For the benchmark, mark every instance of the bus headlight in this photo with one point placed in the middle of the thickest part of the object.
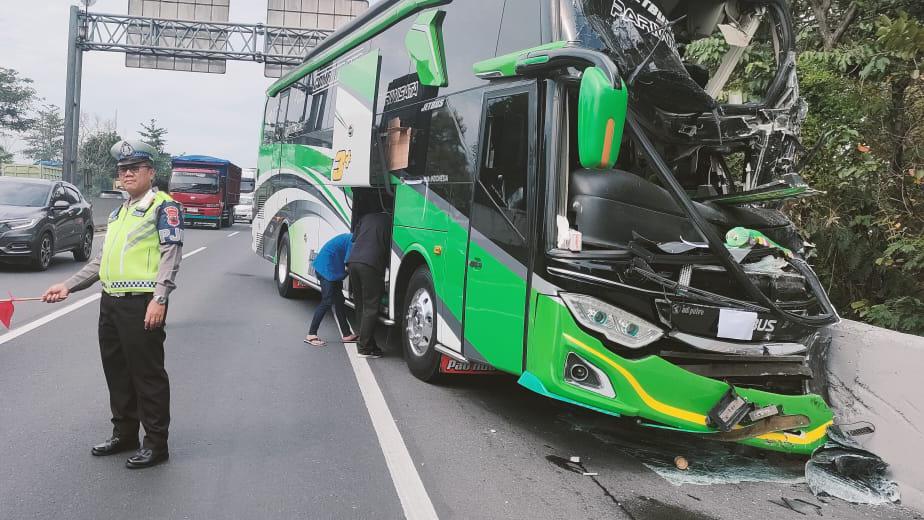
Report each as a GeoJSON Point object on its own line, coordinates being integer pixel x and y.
{"type": "Point", "coordinates": [616, 324]}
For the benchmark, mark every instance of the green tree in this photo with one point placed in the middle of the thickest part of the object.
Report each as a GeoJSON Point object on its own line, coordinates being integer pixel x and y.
{"type": "Point", "coordinates": [5, 156]}
{"type": "Point", "coordinates": [155, 136]}
{"type": "Point", "coordinates": [45, 138]}
{"type": "Point", "coordinates": [94, 162]}
{"type": "Point", "coordinates": [16, 97]}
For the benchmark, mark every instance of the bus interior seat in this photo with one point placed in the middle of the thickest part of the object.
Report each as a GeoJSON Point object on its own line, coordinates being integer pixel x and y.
{"type": "Point", "coordinates": [609, 205]}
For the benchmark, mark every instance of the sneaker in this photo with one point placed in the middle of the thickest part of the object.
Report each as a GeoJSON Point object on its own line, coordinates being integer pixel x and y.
{"type": "Point", "coordinates": [373, 353]}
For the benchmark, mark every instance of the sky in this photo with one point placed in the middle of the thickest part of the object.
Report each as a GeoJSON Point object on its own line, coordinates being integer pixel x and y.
{"type": "Point", "coordinates": [204, 114]}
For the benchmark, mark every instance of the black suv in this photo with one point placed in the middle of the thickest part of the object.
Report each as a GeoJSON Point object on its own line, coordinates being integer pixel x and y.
{"type": "Point", "coordinates": [39, 218]}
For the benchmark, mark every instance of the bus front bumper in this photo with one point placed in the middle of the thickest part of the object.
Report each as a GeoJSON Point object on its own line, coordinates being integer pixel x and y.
{"type": "Point", "coordinates": [651, 388]}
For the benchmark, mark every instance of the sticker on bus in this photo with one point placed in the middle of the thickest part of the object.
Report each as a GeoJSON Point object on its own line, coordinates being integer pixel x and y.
{"type": "Point", "coordinates": [451, 366]}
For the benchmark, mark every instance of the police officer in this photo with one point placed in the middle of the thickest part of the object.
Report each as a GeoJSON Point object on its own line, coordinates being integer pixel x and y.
{"type": "Point", "coordinates": [136, 268]}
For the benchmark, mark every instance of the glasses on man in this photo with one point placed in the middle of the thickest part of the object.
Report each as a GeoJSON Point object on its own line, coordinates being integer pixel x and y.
{"type": "Point", "coordinates": [134, 168]}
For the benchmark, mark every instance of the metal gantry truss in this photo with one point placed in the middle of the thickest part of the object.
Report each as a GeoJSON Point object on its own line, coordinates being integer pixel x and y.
{"type": "Point", "coordinates": [154, 37]}
{"type": "Point", "coordinates": [189, 39]}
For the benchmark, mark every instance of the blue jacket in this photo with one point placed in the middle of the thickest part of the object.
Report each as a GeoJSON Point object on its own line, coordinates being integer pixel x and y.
{"type": "Point", "coordinates": [331, 259]}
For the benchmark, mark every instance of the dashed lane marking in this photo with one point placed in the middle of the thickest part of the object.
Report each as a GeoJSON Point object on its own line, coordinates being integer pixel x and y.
{"type": "Point", "coordinates": [34, 324]}
{"type": "Point", "coordinates": [232, 234]}
{"type": "Point", "coordinates": [414, 499]}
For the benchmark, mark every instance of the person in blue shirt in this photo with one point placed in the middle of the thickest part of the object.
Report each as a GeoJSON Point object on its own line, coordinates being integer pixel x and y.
{"type": "Point", "coordinates": [330, 268]}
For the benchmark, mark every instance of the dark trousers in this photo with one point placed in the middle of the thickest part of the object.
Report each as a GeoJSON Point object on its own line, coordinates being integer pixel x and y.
{"type": "Point", "coordinates": [368, 286]}
{"type": "Point", "coordinates": [331, 296]}
{"type": "Point", "coordinates": [133, 361]}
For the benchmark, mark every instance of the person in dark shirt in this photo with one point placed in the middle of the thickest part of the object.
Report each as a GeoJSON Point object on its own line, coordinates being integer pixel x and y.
{"type": "Point", "coordinates": [367, 261]}
{"type": "Point", "coordinates": [330, 268]}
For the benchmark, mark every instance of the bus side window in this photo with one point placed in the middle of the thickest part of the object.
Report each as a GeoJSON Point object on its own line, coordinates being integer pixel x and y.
{"type": "Point", "coordinates": [280, 126]}
{"type": "Point", "coordinates": [295, 113]}
{"type": "Point", "coordinates": [519, 26]}
{"type": "Point", "coordinates": [269, 119]}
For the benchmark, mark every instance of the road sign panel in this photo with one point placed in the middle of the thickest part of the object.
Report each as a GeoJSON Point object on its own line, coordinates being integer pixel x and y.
{"type": "Point", "coordinates": [304, 14]}
{"type": "Point", "coordinates": [171, 37]}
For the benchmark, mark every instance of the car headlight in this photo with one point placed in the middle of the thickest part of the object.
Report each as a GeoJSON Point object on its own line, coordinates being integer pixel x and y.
{"type": "Point", "coordinates": [17, 223]}
{"type": "Point", "coordinates": [616, 324]}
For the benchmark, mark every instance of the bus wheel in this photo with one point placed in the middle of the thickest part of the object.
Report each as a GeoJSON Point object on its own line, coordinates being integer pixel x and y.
{"type": "Point", "coordinates": [282, 269]}
{"type": "Point", "coordinates": [419, 337]}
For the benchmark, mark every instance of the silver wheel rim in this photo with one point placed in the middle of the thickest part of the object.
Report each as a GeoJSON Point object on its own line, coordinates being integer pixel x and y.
{"type": "Point", "coordinates": [282, 268]}
{"type": "Point", "coordinates": [87, 244]}
{"type": "Point", "coordinates": [45, 251]}
{"type": "Point", "coordinates": [419, 322]}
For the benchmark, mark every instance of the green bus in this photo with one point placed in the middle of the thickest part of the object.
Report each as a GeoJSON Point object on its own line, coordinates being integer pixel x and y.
{"type": "Point", "coordinates": [574, 202]}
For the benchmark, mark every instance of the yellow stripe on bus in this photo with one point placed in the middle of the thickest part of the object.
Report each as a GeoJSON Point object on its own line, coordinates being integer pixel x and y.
{"type": "Point", "coordinates": [693, 417]}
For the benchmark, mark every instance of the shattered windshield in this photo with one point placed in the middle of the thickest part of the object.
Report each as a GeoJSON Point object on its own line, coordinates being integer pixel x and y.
{"type": "Point", "coordinates": [643, 41]}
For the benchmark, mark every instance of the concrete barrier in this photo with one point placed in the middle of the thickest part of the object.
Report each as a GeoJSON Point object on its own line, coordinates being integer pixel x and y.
{"type": "Point", "coordinates": [102, 207]}
{"type": "Point", "coordinates": [876, 375]}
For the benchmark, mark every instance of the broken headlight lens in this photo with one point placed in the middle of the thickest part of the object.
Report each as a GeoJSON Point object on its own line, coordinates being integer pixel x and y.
{"type": "Point", "coordinates": [616, 324]}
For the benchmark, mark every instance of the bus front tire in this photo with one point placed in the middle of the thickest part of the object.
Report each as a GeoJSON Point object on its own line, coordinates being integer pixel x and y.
{"type": "Point", "coordinates": [281, 269]}
{"type": "Point", "coordinates": [419, 327]}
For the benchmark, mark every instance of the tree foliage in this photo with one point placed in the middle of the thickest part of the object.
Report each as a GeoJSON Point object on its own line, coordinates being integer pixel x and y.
{"type": "Point", "coordinates": [155, 136]}
{"type": "Point", "coordinates": [94, 162]}
{"type": "Point", "coordinates": [45, 137]}
{"type": "Point", "coordinates": [16, 97]}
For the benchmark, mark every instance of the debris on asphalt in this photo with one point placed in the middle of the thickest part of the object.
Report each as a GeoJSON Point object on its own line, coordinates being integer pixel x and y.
{"type": "Point", "coordinates": [790, 506]}
{"type": "Point", "coordinates": [681, 463]}
{"type": "Point", "coordinates": [590, 474]}
{"type": "Point", "coordinates": [841, 468]}
{"type": "Point", "coordinates": [816, 506]}
{"type": "Point", "coordinates": [492, 431]}
{"type": "Point", "coordinates": [576, 460]}
{"type": "Point", "coordinates": [785, 505]}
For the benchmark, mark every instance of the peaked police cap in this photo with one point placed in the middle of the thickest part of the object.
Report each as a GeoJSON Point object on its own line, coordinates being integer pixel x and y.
{"type": "Point", "coordinates": [132, 152]}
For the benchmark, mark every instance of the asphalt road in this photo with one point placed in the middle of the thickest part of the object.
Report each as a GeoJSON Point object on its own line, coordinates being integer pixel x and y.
{"type": "Point", "coordinates": [267, 427]}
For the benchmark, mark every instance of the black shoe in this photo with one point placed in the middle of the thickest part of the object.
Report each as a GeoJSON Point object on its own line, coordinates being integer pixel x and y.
{"type": "Point", "coordinates": [114, 445]}
{"type": "Point", "coordinates": [373, 353]}
{"type": "Point", "coordinates": [146, 457]}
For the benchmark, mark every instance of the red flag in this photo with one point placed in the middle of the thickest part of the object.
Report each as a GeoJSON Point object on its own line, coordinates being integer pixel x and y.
{"type": "Point", "coordinates": [6, 312]}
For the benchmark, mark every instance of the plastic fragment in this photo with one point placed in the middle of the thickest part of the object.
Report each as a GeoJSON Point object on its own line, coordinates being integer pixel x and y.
{"type": "Point", "coordinates": [575, 459]}
{"type": "Point", "coordinates": [681, 462]}
{"type": "Point", "coordinates": [590, 474]}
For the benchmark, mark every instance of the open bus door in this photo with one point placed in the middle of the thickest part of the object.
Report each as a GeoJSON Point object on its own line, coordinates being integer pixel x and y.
{"type": "Point", "coordinates": [499, 249]}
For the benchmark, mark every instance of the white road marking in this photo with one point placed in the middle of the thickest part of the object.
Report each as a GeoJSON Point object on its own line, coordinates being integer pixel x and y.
{"type": "Point", "coordinates": [414, 499]}
{"type": "Point", "coordinates": [32, 325]}
{"type": "Point", "coordinates": [232, 234]}
{"type": "Point", "coordinates": [194, 251]}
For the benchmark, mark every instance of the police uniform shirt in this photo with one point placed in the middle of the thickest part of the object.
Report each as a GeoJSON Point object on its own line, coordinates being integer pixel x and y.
{"type": "Point", "coordinates": [170, 232]}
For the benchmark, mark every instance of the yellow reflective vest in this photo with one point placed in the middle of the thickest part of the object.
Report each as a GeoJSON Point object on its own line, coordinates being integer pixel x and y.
{"type": "Point", "coordinates": [131, 250]}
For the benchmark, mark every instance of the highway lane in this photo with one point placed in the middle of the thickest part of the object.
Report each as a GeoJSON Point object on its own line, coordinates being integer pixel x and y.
{"type": "Point", "coordinates": [267, 427]}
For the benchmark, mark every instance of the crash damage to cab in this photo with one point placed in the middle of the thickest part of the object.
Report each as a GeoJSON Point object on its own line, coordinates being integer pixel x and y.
{"type": "Point", "coordinates": [687, 301]}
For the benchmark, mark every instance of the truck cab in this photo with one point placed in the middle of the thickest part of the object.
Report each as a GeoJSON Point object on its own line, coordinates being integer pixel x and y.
{"type": "Point", "coordinates": [207, 187]}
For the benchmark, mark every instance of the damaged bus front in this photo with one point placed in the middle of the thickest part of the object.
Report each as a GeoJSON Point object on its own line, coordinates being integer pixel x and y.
{"type": "Point", "coordinates": [683, 295]}
{"type": "Point", "coordinates": [575, 202]}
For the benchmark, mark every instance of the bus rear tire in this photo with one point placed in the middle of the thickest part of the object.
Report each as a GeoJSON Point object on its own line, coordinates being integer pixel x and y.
{"type": "Point", "coordinates": [419, 327]}
{"type": "Point", "coordinates": [282, 269]}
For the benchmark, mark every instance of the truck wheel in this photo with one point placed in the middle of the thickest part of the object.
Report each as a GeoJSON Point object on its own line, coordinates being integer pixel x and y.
{"type": "Point", "coordinates": [282, 269]}
{"type": "Point", "coordinates": [85, 249]}
{"type": "Point", "coordinates": [419, 338]}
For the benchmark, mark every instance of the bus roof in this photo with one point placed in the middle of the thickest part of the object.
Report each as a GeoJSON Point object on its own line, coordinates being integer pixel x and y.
{"type": "Point", "coordinates": [376, 19]}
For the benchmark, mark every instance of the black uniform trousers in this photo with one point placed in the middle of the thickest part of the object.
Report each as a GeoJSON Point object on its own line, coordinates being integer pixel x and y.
{"type": "Point", "coordinates": [368, 285]}
{"type": "Point", "coordinates": [133, 361]}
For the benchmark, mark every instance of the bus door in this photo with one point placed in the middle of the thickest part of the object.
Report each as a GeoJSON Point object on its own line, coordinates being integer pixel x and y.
{"type": "Point", "coordinates": [498, 251]}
